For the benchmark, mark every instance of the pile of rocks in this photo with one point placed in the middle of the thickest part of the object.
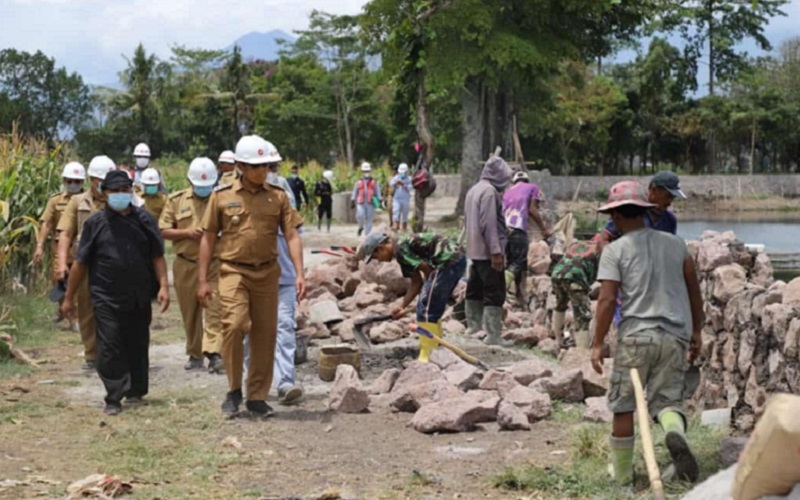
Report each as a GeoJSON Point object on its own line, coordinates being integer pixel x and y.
{"type": "Point", "coordinates": [750, 339]}
{"type": "Point", "coordinates": [449, 395]}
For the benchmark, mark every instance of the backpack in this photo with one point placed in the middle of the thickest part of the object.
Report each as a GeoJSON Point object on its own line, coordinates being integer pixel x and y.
{"type": "Point", "coordinates": [423, 182]}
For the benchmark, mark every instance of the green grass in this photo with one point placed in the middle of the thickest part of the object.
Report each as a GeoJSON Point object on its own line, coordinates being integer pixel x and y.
{"type": "Point", "coordinates": [565, 413]}
{"type": "Point", "coordinates": [586, 474]}
{"type": "Point", "coordinates": [29, 323]}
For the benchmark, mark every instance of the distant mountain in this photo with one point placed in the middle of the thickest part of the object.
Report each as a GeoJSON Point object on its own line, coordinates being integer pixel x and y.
{"type": "Point", "coordinates": [263, 46]}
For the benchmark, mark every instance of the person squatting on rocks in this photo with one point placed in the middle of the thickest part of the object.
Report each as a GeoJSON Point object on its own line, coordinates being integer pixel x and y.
{"type": "Point", "coordinates": [285, 378]}
{"type": "Point", "coordinates": [72, 178]}
{"type": "Point", "coordinates": [242, 222]}
{"type": "Point", "coordinates": [226, 168]}
{"type": "Point", "coordinates": [366, 198]}
{"type": "Point", "coordinates": [520, 203]}
{"type": "Point", "coordinates": [572, 279]}
{"type": "Point", "coordinates": [486, 247]}
{"type": "Point", "coordinates": [122, 253]}
{"type": "Point", "coordinates": [154, 199]}
{"type": "Point", "coordinates": [400, 187]}
{"type": "Point", "coordinates": [434, 263]}
{"type": "Point", "coordinates": [181, 222]}
{"type": "Point", "coordinates": [298, 188]}
{"type": "Point", "coordinates": [70, 228]}
{"type": "Point", "coordinates": [656, 276]}
{"type": "Point", "coordinates": [323, 192]}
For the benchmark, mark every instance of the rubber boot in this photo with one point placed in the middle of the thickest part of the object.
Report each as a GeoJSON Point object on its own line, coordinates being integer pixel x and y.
{"type": "Point", "coordinates": [674, 425]}
{"type": "Point", "coordinates": [474, 312]}
{"type": "Point", "coordinates": [582, 339]}
{"type": "Point", "coordinates": [493, 322]}
{"type": "Point", "coordinates": [329, 225]}
{"type": "Point", "coordinates": [426, 345]}
{"type": "Point", "coordinates": [559, 318]}
{"type": "Point", "coordinates": [622, 459]}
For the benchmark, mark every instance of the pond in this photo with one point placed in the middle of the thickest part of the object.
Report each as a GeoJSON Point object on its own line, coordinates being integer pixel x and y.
{"type": "Point", "coordinates": [777, 235]}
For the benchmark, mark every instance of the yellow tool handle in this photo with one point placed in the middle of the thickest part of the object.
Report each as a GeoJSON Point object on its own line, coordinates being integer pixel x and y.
{"type": "Point", "coordinates": [460, 352]}
{"type": "Point", "coordinates": [647, 437]}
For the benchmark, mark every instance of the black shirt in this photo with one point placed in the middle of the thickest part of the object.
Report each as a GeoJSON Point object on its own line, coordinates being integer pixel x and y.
{"type": "Point", "coordinates": [323, 189]}
{"type": "Point", "coordinates": [119, 250]}
{"type": "Point", "coordinates": [299, 189]}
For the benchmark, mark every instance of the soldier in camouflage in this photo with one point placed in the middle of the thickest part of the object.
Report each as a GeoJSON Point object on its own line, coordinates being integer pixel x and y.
{"type": "Point", "coordinates": [572, 279]}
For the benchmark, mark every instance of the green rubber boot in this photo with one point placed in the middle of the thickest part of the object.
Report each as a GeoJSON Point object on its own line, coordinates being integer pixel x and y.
{"type": "Point", "coordinates": [474, 312]}
{"type": "Point", "coordinates": [674, 425]}
{"type": "Point", "coordinates": [622, 459]}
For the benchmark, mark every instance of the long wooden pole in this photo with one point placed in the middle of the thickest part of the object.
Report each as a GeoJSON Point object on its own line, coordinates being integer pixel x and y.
{"type": "Point", "coordinates": [647, 438]}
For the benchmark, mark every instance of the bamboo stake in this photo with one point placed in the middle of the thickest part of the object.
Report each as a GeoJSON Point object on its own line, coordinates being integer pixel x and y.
{"type": "Point", "coordinates": [647, 438]}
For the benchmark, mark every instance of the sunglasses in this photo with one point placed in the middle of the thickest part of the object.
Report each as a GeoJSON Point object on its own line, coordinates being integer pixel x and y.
{"type": "Point", "coordinates": [73, 181]}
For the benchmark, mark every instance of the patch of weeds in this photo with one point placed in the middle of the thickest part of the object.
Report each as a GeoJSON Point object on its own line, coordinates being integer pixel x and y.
{"type": "Point", "coordinates": [32, 320]}
{"type": "Point", "coordinates": [590, 442]}
{"type": "Point", "coordinates": [542, 354]}
{"type": "Point", "coordinates": [422, 479]}
{"type": "Point", "coordinates": [20, 411]}
{"type": "Point", "coordinates": [566, 413]}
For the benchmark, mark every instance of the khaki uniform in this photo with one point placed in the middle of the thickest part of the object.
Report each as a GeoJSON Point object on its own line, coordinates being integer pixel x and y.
{"type": "Point", "coordinates": [78, 210]}
{"type": "Point", "coordinates": [52, 215]}
{"type": "Point", "coordinates": [154, 204]}
{"type": "Point", "coordinates": [227, 178]}
{"type": "Point", "coordinates": [247, 224]}
{"type": "Point", "coordinates": [185, 211]}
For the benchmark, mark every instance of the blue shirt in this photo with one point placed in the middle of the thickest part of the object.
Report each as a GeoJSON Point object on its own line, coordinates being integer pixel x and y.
{"type": "Point", "coordinates": [288, 273]}
{"type": "Point", "coordinates": [402, 192]}
{"type": "Point", "coordinates": [654, 219]}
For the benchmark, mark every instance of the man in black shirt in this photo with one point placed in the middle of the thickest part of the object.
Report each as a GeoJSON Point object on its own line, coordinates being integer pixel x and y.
{"type": "Point", "coordinates": [122, 251]}
{"type": "Point", "coordinates": [298, 188]}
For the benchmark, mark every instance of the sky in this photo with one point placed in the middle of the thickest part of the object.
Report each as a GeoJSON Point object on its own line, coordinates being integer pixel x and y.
{"type": "Point", "coordinates": [90, 36]}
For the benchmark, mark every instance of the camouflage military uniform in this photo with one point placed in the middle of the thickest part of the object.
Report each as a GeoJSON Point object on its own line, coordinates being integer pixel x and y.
{"type": "Point", "coordinates": [572, 280]}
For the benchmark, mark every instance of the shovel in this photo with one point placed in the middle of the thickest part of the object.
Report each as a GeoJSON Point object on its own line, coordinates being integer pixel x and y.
{"type": "Point", "coordinates": [362, 339]}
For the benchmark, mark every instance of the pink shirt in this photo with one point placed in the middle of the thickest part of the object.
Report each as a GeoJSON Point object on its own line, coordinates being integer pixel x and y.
{"type": "Point", "coordinates": [516, 203]}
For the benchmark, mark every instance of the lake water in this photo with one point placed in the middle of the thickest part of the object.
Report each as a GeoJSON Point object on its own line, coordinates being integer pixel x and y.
{"type": "Point", "coordinates": [776, 235]}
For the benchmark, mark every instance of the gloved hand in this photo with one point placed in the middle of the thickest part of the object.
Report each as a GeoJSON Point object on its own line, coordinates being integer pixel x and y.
{"type": "Point", "coordinates": [353, 205]}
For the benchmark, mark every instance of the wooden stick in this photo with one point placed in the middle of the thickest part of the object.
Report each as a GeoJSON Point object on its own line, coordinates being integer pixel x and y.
{"type": "Point", "coordinates": [647, 438]}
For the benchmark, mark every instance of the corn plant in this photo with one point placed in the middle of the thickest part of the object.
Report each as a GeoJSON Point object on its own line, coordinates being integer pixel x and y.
{"type": "Point", "coordinates": [29, 175]}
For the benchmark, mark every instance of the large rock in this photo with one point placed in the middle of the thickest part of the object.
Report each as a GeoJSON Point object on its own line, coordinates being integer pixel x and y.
{"type": "Point", "coordinates": [324, 276]}
{"type": "Point", "coordinates": [511, 417]}
{"type": "Point", "coordinates": [791, 346]}
{"type": "Point", "coordinates": [416, 373]}
{"type": "Point", "coordinates": [762, 270]}
{"type": "Point", "coordinates": [463, 376]}
{"type": "Point", "coordinates": [347, 395]}
{"type": "Point", "coordinates": [754, 395]}
{"type": "Point", "coordinates": [538, 257]}
{"type": "Point", "coordinates": [713, 254]}
{"type": "Point", "coordinates": [563, 386]}
{"type": "Point", "coordinates": [597, 411]}
{"type": "Point", "coordinates": [739, 310]}
{"type": "Point", "coordinates": [728, 281]}
{"type": "Point", "coordinates": [344, 329]}
{"type": "Point", "coordinates": [444, 358]}
{"type": "Point", "coordinates": [529, 370]}
{"type": "Point", "coordinates": [775, 320]}
{"type": "Point", "coordinates": [368, 295]}
{"type": "Point", "coordinates": [730, 450]}
{"type": "Point", "coordinates": [453, 327]}
{"type": "Point", "coordinates": [350, 287]}
{"type": "Point", "coordinates": [594, 384]}
{"type": "Point", "coordinates": [549, 346]}
{"type": "Point", "coordinates": [385, 382]}
{"type": "Point", "coordinates": [747, 347]}
{"type": "Point", "coordinates": [325, 312]}
{"type": "Point", "coordinates": [386, 332]}
{"type": "Point", "coordinates": [391, 279]}
{"type": "Point", "coordinates": [791, 293]}
{"type": "Point", "coordinates": [534, 404]}
{"type": "Point", "coordinates": [494, 379]}
{"type": "Point", "coordinates": [522, 336]}
{"type": "Point", "coordinates": [424, 394]}
{"type": "Point", "coordinates": [455, 414]}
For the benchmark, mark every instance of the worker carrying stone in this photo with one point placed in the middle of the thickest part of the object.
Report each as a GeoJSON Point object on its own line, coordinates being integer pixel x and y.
{"type": "Point", "coordinates": [366, 199]}
{"type": "Point", "coordinates": [70, 228]}
{"type": "Point", "coordinates": [572, 279]}
{"type": "Point", "coordinates": [660, 332]}
{"type": "Point", "coordinates": [521, 203]}
{"type": "Point", "coordinates": [242, 222]}
{"type": "Point", "coordinates": [72, 178]}
{"type": "Point", "coordinates": [434, 263]}
{"type": "Point", "coordinates": [181, 222]}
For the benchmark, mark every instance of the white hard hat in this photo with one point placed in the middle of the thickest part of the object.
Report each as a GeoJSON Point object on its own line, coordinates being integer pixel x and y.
{"type": "Point", "coordinates": [202, 172]}
{"type": "Point", "coordinates": [100, 166]}
{"type": "Point", "coordinates": [254, 150]}
{"type": "Point", "coordinates": [74, 170]}
{"type": "Point", "coordinates": [328, 174]}
{"type": "Point", "coordinates": [366, 167]}
{"type": "Point", "coordinates": [403, 168]}
{"type": "Point", "coordinates": [141, 150]}
{"type": "Point", "coordinates": [227, 157]}
{"type": "Point", "coordinates": [520, 176]}
{"type": "Point", "coordinates": [150, 177]}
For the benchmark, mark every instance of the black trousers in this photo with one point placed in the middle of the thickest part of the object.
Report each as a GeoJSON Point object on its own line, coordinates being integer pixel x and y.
{"type": "Point", "coordinates": [517, 251]}
{"type": "Point", "coordinates": [486, 284]}
{"type": "Point", "coordinates": [325, 207]}
{"type": "Point", "coordinates": [123, 340]}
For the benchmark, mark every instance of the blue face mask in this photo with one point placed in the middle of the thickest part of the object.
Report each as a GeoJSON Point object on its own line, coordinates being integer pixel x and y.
{"type": "Point", "coordinates": [203, 192]}
{"type": "Point", "coordinates": [74, 188]}
{"type": "Point", "coordinates": [151, 190]}
{"type": "Point", "coordinates": [294, 176]}
{"type": "Point", "coordinates": [119, 201]}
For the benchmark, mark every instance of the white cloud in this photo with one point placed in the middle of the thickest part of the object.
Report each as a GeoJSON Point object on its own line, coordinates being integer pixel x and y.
{"type": "Point", "coordinates": [91, 35]}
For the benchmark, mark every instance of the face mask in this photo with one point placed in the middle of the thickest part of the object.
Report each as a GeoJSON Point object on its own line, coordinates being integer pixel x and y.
{"type": "Point", "coordinates": [294, 176]}
{"type": "Point", "coordinates": [142, 162]}
{"type": "Point", "coordinates": [150, 190]}
{"type": "Point", "coordinates": [119, 201]}
{"type": "Point", "coordinates": [272, 177]}
{"type": "Point", "coordinates": [74, 188]}
{"type": "Point", "coordinates": [256, 176]}
{"type": "Point", "coordinates": [403, 175]}
{"type": "Point", "coordinates": [203, 192]}
{"type": "Point", "coordinates": [367, 175]}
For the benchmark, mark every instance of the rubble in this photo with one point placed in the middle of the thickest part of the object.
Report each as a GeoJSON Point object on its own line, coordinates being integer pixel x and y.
{"type": "Point", "coordinates": [564, 386]}
{"type": "Point", "coordinates": [455, 414]}
{"type": "Point", "coordinates": [384, 383]}
{"type": "Point", "coordinates": [347, 395]}
{"type": "Point", "coordinates": [597, 410]}
{"type": "Point", "coordinates": [529, 370]}
{"type": "Point", "coordinates": [510, 417]}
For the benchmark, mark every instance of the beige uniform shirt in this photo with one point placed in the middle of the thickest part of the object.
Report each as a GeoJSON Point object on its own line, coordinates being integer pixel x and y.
{"type": "Point", "coordinates": [55, 208]}
{"type": "Point", "coordinates": [184, 210]}
{"type": "Point", "coordinates": [78, 210]}
{"type": "Point", "coordinates": [248, 223]}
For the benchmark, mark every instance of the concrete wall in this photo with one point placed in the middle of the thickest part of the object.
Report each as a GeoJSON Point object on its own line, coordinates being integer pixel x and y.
{"type": "Point", "coordinates": [711, 186]}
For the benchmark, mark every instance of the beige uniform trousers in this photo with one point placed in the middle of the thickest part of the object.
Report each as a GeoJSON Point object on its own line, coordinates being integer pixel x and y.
{"type": "Point", "coordinates": [86, 320]}
{"type": "Point", "coordinates": [200, 339]}
{"type": "Point", "coordinates": [249, 295]}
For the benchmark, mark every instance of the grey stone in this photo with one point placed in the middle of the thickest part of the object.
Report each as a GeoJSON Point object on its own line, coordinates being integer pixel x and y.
{"type": "Point", "coordinates": [385, 382]}
{"type": "Point", "coordinates": [424, 394]}
{"type": "Point", "coordinates": [720, 417]}
{"type": "Point", "coordinates": [324, 312]}
{"type": "Point", "coordinates": [347, 395]}
{"type": "Point", "coordinates": [564, 386]}
{"type": "Point", "coordinates": [730, 449]}
{"type": "Point", "coordinates": [534, 404]}
{"type": "Point", "coordinates": [511, 417]}
{"type": "Point", "coordinates": [529, 370]}
{"type": "Point", "coordinates": [444, 358]}
{"type": "Point", "coordinates": [455, 414]}
{"type": "Point", "coordinates": [728, 281]}
{"type": "Point", "coordinates": [463, 376]}
{"type": "Point", "coordinates": [549, 346]}
{"type": "Point", "coordinates": [597, 410]}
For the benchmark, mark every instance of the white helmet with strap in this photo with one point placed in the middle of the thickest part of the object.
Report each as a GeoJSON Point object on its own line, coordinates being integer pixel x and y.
{"type": "Point", "coordinates": [150, 177]}
{"type": "Point", "coordinates": [202, 172]}
{"type": "Point", "coordinates": [328, 174]}
{"type": "Point", "coordinates": [100, 166]}
{"type": "Point", "coordinates": [141, 150]}
{"type": "Point", "coordinates": [227, 157]}
{"type": "Point", "coordinates": [74, 170]}
{"type": "Point", "coordinates": [366, 167]}
{"type": "Point", "coordinates": [254, 150]}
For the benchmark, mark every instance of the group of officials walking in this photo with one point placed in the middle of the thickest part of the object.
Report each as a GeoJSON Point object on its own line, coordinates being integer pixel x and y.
{"type": "Point", "coordinates": [235, 238]}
